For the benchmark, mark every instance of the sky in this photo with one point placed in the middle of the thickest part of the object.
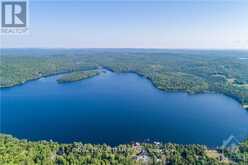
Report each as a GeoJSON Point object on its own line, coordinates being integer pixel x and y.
{"type": "Point", "coordinates": [192, 24]}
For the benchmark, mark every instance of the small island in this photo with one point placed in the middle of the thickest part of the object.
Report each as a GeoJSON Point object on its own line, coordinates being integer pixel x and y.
{"type": "Point", "coordinates": [77, 76]}
{"type": "Point", "coordinates": [168, 72]}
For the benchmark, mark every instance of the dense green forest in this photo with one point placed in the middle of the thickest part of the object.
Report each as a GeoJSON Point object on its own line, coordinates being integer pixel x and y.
{"type": "Point", "coordinates": [17, 152]}
{"type": "Point", "coordinates": [77, 75]}
{"type": "Point", "coordinates": [192, 71]}
{"type": "Point", "coordinates": [224, 72]}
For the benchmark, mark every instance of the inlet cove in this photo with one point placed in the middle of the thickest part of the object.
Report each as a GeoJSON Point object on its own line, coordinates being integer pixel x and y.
{"type": "Point", "coordinates": [117, 108]}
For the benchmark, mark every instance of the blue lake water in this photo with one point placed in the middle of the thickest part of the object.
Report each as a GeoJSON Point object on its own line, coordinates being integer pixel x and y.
{"type": "Point", "coordinates": [118, 108]}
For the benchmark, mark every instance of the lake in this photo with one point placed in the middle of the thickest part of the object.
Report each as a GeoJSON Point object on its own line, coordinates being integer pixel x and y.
{"type": "Point", "coordinates": [118, 108]}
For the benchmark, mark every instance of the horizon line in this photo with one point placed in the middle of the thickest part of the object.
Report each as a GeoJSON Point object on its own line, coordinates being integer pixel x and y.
{"type": "Point", "coordinates": [124, 48]}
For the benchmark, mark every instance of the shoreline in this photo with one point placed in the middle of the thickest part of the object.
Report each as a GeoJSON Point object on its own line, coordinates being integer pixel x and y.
{"type": "Point", "coordinates": [146, 141]}
{"type": "Point", "coordinates": [42, 76]}
{"type": "Point", "coordinates": [244, 106]}
{"type": "Point", "coordinates": [135, 153]}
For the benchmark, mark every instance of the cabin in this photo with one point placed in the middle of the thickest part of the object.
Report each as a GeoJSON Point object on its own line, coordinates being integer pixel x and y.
{"type": "Point", "coordinates": [142, 156]}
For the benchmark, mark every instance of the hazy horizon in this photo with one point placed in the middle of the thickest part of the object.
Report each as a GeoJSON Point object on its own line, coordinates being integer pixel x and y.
{"type": "Point", "coordinates": [135, 24]}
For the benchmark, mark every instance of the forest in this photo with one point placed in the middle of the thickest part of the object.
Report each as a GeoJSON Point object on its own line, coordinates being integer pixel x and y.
{"type": "Point", "coordinates": [17, 152]}
{"type": "Point", "coordinates": [77, 76]}
{"type": "Point", "coordinates": [191, 71]}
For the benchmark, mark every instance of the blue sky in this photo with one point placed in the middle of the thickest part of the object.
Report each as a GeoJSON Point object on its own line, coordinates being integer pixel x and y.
{"type": "Point", "coordinates": [217, 24]}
